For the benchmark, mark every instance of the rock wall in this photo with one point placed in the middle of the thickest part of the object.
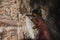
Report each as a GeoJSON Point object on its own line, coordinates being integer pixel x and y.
{"type": "Point", "coordinates": [13, 21]}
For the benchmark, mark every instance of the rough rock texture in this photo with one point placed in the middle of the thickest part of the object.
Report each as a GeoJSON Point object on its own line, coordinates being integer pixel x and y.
{"type": "Point", "coordinates": [13, 21]}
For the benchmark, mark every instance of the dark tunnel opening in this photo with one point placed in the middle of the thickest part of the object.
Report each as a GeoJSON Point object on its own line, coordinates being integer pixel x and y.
{"type": "Point", "coordinates": [54, 13]}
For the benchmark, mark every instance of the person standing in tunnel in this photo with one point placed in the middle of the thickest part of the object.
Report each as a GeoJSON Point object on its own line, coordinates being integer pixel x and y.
{"type": "Point", "coordinates": [43, 33]}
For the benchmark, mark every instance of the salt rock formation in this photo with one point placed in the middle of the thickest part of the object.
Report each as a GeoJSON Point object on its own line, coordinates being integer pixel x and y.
{"type": "Point", "coordinates": [14, 23]}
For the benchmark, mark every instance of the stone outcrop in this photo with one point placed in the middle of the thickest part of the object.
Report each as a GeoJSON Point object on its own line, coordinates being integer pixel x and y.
{"type": "Point", "coordinates": [13, 20]}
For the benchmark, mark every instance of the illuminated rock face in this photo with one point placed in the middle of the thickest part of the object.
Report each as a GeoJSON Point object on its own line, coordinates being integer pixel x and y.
{"type": "Point", "coordinates": [17, 33]}
{"type": "Point", "coordinates": [13, 23]}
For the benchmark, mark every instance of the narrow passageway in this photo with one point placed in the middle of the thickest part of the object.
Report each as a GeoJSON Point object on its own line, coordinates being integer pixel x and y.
{"type": "Point", "coordinates": [23, 19]}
